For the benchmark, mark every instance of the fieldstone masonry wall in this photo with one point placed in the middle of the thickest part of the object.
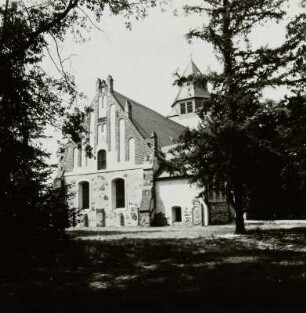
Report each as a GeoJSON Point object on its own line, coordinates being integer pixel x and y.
{"type": "Point", "coordinates": [219, 213]}
{"type": "Point", "coordinates": [147, 202]}
{"type": "Point", "coordinates": [101, 212]}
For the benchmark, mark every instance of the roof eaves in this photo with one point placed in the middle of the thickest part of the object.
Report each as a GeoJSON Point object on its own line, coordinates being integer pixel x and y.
{"type": "Point", "coordinates": [184, 99]}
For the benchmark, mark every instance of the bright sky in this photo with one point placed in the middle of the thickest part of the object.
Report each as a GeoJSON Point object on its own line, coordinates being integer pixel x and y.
{"type": "Point", "coordinates": [142, 61]}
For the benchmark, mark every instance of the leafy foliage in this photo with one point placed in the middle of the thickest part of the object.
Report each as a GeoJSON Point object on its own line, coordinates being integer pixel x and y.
{"type": "Point", "coordinates": [238, 139]}
{"type": "Point", "coordinates": [30, 99]}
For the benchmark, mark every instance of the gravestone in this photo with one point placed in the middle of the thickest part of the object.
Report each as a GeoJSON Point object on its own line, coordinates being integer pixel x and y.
{"type": "Point", "coordinates": [100, 216]}
{"type": "Point", "coordinates": [197, 213]}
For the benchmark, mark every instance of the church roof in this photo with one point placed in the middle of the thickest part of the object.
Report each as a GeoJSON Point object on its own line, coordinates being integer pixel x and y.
{"type": "Point", "coordinates": [191, 69]}
{"type": "Point", "coordinates": [148, 121]}
{"type": "Point", "coordinates": [191, 91]}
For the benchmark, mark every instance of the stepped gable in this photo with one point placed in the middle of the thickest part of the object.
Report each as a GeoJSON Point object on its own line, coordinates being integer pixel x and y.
{"type": "Point", "coordinates": [148, 121]}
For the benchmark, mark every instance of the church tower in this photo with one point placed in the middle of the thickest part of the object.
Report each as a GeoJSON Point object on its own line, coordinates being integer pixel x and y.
{"type": "Point", "coordinates": [189, 100]}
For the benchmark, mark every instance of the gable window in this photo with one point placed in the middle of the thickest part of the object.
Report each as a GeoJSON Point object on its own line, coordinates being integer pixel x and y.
{"type": "Point", "coordinates": [189, 107]}
{"type": "Point", "coordinates": [101, 160]}
{"type": "Point", "coordinates": [131, 150]}
{"type": "Point", "coordinates": [101, 107]}
{"type": "Point", "coordinates": [183, 108]}
{"type": "Point", "coordinates": [113, 127]}
{"type": "Point", "coordinates": [99, 130]}
{"type": "Point", "coordinates": [84, 158]}
{"type": "Point", "coordinates": [122, 140]}
{"type": "Point", "coordinates": [77, 157]}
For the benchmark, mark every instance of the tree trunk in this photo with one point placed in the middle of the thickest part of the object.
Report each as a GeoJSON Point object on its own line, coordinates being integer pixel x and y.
{"type": "Point", "coordinates": [240, 229]}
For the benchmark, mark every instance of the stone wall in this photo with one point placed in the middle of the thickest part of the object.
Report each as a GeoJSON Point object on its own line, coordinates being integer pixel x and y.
{"type": "Point", "coordinates": [101, 198]}
{"type": "Point", "coordinates": [219, 213]}
{"type": "Point", "coordinates": [147, 200]}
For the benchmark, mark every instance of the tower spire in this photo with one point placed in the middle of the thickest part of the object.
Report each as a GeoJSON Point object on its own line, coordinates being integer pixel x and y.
{"type": "Point", "coordinates": [189, 99]}
{"type": "Point", "coordinates": [189, 90]}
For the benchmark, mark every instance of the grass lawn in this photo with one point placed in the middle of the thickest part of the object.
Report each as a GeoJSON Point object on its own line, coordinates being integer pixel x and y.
{"type": "Point", "coordinates": [120, 271]}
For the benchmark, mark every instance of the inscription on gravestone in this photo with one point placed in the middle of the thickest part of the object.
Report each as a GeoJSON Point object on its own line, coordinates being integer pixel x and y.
{"type": "Point", "coordinates": [197, 213]}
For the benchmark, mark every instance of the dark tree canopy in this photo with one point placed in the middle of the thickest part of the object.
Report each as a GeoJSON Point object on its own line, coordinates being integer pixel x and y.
{"type": "Point", "coordinates": [30, 99]}
{"type": "Point", "coordinates": [238, 139]}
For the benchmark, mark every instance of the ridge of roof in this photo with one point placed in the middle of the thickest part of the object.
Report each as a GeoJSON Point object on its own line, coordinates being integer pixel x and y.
{"type": "Point", "coordinates": [148, 121]}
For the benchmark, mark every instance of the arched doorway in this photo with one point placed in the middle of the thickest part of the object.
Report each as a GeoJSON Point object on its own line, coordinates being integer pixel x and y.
{"type": "Point", "coordinates": [84, 195]}
{"type": "Point", "coordinates": [118, 193]}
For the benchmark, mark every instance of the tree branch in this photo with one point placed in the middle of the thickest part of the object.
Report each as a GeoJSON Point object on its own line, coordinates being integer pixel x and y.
{"type": "Point", "coordinates": [42, 29]}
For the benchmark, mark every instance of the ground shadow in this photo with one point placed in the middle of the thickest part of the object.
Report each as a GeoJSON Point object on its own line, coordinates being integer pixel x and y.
{"type": "Point", "coordinates": [161, 275]}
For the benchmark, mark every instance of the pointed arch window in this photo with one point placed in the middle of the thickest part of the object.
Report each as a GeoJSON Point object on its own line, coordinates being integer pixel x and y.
{"type": "Point", "coordinates": [122, 140]}
{"type": "Point", "coordinates": [84, 158]}
{"type": "Point", "coordinates": [102, 107]}
{"type": "Point", "coordinates": [77, 157]}
{"type": "Point", "coordinates": [113, 127]}
{"type": "Point", "coordinates": [101, 160]}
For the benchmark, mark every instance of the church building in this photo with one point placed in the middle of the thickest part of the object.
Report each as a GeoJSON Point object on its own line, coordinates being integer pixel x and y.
{"type": "Point", "coordinates": [122, 184]}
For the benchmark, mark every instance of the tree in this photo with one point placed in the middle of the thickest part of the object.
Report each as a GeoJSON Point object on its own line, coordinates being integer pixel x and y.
{"type": "Point", "coordinates": [292, 133]}
{"type": "Point", "coordinates": [232, 142]}
{"type": "Point", "coordinates": [30, 99]}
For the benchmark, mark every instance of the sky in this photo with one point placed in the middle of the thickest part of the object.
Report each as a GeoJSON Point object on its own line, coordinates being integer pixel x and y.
{"type": "Point", "coordinates": [142, 61]}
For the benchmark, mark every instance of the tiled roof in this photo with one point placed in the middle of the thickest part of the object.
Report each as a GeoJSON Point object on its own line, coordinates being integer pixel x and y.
{"type": "Point", "coordinates": [148, 121]}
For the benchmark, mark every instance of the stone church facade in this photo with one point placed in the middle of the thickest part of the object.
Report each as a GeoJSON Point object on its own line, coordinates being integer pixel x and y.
{"type": "Point", "coordinates": [122, 184]}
